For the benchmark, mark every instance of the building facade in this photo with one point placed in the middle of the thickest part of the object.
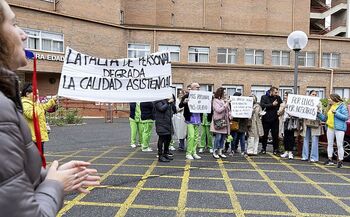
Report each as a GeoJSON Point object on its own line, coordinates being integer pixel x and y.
{"type": "Point", "coordinates": [238, 44]}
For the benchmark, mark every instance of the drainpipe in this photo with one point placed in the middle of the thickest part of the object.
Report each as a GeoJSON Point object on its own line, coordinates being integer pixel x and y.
{"type": "Point", "coordinates": [332, 79]}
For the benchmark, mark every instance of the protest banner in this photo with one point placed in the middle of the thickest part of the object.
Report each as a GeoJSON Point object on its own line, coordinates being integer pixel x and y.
{"type": "Point", "coordinates": [241, 106]}
{"type": "Point", "coordinates": [200, 101]}
{"type": "Point", "coordinates": [91, 78]}
{"type": "Point", "coordinates": [302, 106]}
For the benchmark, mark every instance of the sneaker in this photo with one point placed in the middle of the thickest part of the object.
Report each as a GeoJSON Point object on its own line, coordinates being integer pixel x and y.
{"type": "Point", "coordinates": [196, 156]}
{"type": "Point", "coordinates": [163, 159]}
{"type": "Point", "coordinates": [147, 150]}
{"type": "Point", "coordinates": [222, 156]}
{"type": "Point", "coordinates": [167, 156]}
{"type": "Point", "coordinates": [216, 156]}
{"type": "Point", "coordinates": [170, 154]}
{"type": "Point", "coordinates": [172, 148]}
{"type": "Point", "coordinates": [275, 152]}
{"type": "Point", "coordinates": [340, 164]}
{"type": "Point", "coordinates": [313, 161]}
{"type": "Point", "coordinates": [189, 157]}
{"type": "Point", "coordinates": [263, 151]}
{"type": "Point", "coordinates": [285, 155]}
{"type": "Point", "coordinates": [328, 162]}
{"type": "Point", "coordinates": [305, 159]}
{"type": "Point", "coordinates": [133, 146]}
{"type": "Point", "coordinates": [231, 153]}
{"type": "Point", "coordinates": [180, 149]}
{"type": "Point", "coordinates": [201, 150]}
{"type": "Point", "coordinates": [290, 155]}
{"type": "Point", "coordinates": [210, 150]}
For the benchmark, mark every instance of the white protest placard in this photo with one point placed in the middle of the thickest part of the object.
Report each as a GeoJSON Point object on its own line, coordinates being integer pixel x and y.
{"type": "Point", "coordinates": [302, 106]}
{"type": "Point", "coordinates": [91, 78]}
{"type": "Point", "coordinates": [200, 101]}
{"type": "Point", "coordinates": [241, 106]}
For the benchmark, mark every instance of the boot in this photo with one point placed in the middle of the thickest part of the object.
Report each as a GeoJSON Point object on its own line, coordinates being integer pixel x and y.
{"type": "Point", "coordinates": [221, 154]}
{"type": "Point", "coordinates": [215, 154]}
{"type": "Point", "coordinates": [169, 157]}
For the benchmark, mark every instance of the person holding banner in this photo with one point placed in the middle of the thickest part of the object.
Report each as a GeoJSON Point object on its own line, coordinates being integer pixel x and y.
{"type": "Point", "coordinates": [335, 118]}
{"type": "Point", "coordinates": [255, 128]}
{"type": "Point", "coordinates": [220, 122]}
{"type": "Point", "coordinates": [135, 124]}
{"type": "Point", "coordinates": [193, 121]}
{"type": "Point", "coordinates": [27, 189]}
{"type": "Point", "coordinates": [163, 113]}
{"type": "Point", "coordinates": [147, 122]}
{"type": "Point", "coordinates": [312, 129]}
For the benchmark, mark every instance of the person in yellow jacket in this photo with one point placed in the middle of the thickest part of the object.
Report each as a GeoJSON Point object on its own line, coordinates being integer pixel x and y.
{"type": "Point", "coordinates": [40, 108]}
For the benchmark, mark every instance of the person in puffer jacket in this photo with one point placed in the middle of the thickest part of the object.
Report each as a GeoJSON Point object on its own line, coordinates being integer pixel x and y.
{"type": "Point", "coordinates": [335, 118]}
{"type": "Point", "coordinates": [27, 189]}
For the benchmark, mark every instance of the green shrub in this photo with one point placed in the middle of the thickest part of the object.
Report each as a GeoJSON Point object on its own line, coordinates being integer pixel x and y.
{"type": "Point", "coordinates": [64, 116]}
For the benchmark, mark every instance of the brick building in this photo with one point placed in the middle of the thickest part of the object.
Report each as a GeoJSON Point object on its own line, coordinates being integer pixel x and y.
{"type": "Point", "coordinates": [238, 44]}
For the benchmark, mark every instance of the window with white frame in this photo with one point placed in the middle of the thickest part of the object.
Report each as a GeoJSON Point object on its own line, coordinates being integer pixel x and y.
{"type": "Point", "coordinates": [306, 59]}
{"type": "Point", "coordinates": [206, 87]}
{"type": "Point", "coordinates": [176, 89]}
{"type": "Point", "coordinates": [330, 60]}
{"type": "Point", "coordinates": [283, 89]}
{"type": "Point", "coordinates": [319, 90]}
{"type": "Point", "coordinates": [254, 57]}
{"type": "Point", "coordinates": [198, 54]}
{"type": "Point", "coordinates": [44, 41]}
{"type": "Point", "coordinates": [174, 51]}
{"type": "Point", "coordinates": [342, 92]}
{"type": "Point", "coordinates": [138, 50]}
{"type": "Point", "coordinates": [259, 91]}
{"type": "Point", "coordinates": [227, 55]}
{"type": "Point", "coordinates": [231, 89]}
{"type": "Point", "coordinates": [280, 58]}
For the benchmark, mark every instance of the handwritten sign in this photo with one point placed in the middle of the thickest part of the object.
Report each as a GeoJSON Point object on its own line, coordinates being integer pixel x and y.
{"type": "Point", "coordinates": [90, 78]}
{"type": "Point", "coordinates": [241, 106]}
{"type": "Point", "coordinates": [200, 101]}
{"type": "Point", "coordinates": [303, 106]}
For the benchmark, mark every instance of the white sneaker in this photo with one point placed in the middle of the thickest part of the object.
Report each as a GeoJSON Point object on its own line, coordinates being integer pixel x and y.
{"type": "Point", "coordinates": [304, 159]}
{"type": "Point", "coordinates": [313, 161]}
{"type": "Point", "coordinates": [285, 155]}
{"type": "Point", "coordinates": [211, 151]}
{"type": "Point", "coordinates": [172, 148]}
{"type": "Point", "coordinates": [147, 150]}
{"type": "Point", "coordinates": [200, 150]}
{"type": "Point", "coordinates": [189, 157]}
{"type": "Point", "coordinates": [290, 155]}
{"type": "Point", "coordinates": [133, 146]}
{"type": "Point", "coordinates": [196, 156]}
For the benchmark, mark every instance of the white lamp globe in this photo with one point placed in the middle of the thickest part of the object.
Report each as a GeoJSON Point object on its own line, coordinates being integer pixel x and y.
{"type": "Point", "coordinates": [297, 40]}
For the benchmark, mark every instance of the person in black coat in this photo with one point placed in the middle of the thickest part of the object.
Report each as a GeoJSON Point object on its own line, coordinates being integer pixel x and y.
{"type": "Point", "coordinates": [163, 112]}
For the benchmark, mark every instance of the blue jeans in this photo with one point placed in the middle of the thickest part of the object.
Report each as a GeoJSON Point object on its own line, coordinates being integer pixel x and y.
{"type": "Point", "coordinates": [238, 137]}
{"type": "Point", "coordinates": [219, 140]}
{"type": "Point", "coordinates": [314, 146]}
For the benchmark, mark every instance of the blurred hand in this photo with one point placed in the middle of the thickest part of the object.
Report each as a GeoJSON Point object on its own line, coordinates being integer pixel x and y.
{"type": "Point", "coordinates": [186, 100]}
{"type": "Point", "coordinates": [275, 102]}
{"type": "Point", "coordinates": [170, 100]}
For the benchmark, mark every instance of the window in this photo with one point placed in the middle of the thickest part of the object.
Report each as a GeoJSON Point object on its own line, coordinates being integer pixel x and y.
{"type": "Point", "coordinates": [176, 89]}
{"type": "Point", "coordinates": [227, 55]}
{"type": "Point", "coordinates": [254, 57]}
{"type": "Point", "coordinates": [231, 89]}
{"type": "Point", "coordinates": [44, 41]}
{"type": "Point", "coordinates": [198, 54]}
{"type": "Point", "coordinates": [122, 18]}
{"type": "Point", "coordinates": [319, 90]}
{"type": "Point", "coordinates": [206, 87]}
{"type": "Point", "coordinates": [342, 92]}
{"type": "Point", "coordinates": [48, 0]}
{"type": "Point", "coordinates": [280, 58]}
{"type": "Point", "coordinates": [283, 89]}
{"type": "Point", "coordinates": [307, 59]}
{"type": "Point", "coordinates": [174, 51]}
{"type": "Point", "coordinates": [330, 60]}
{"type": "Point", "coordinates": [138, 50]}
{"type": "Point", "coordinates": [259, 91]}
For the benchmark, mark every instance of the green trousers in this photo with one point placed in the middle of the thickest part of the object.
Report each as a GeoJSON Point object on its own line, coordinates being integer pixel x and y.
{"type": "Point", "coordinates": [147, 127]}
{"type": "Point", "coordinates": [192, 138]}
{"type": "Point", "coordinates": [207, 137]}
{"type": "Point", "coordinates": [135, 128]}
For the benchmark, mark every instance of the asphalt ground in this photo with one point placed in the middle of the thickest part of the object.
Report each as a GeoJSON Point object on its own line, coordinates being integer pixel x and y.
{"type": "Point", "coordinates": [136, 184]}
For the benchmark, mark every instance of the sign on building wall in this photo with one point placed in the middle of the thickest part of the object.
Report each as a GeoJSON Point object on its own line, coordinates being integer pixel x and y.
{"type": "Point", "coordinates": [49, 57]}
{"type": "Point", "coordinates": [241, 106]}
{"type": "Point", "coordinates": [200, 101]}
{"type": "Point", "coordinates": [302, 106]}
{"type": "Point", "coordinates": [91, 78]}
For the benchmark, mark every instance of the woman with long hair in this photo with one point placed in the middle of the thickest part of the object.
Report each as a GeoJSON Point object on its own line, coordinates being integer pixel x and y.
{"type": "Point", "coordinates": [220, 122]}
{"type": "Point", "coordinates": [26, 188]}
{"type": "Point", "coordinates": [335, 117]}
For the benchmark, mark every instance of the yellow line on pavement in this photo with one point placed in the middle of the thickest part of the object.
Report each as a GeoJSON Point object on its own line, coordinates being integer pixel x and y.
{"type": "Point", "coordinates": [317, 186]}
{"type": "Point", "coordinates": [233, 197]}
{"type": "Point", "coordinates": [81, 196]}
{"type": "Point", "coordinates": [181, 205]}
{"type": "Point", "coordinates": [98, 204]}
{"type": "Point", "coordinates": [139, 206]}
{"type": "Point", "coordinates": [269, 213]}
{"type": "Point", "coordinates": [129, 201]}
{"type": "Point", "coordinates": [282, 196]}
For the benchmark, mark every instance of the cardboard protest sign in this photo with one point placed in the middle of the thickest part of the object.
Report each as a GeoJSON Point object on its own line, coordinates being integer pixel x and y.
{"type": "Point", "coordinates": [91, 78]}
{"type": "Point", "coordinates": [302, 106]}
{"type": "Point", "coordinates": [241, 106]}
{"type": "Point", "coordinates": [200, 101]}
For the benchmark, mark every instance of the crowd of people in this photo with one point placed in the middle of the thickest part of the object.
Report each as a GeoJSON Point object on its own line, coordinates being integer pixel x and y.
{"type": "Point", "coordinates": [220, 133]}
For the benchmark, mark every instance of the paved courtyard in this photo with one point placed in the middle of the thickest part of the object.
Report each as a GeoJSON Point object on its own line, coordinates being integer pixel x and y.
{"type": "Point", "coordinates": [135, 184]}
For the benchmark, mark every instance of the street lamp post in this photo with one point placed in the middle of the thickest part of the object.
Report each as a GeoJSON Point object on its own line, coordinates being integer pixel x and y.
{"type": "Point", "coordinates": [296, 41]}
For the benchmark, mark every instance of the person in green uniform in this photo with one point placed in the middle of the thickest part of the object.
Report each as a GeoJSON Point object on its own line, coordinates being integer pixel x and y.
{"type": "Point", "coordinates": [135, 124]}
